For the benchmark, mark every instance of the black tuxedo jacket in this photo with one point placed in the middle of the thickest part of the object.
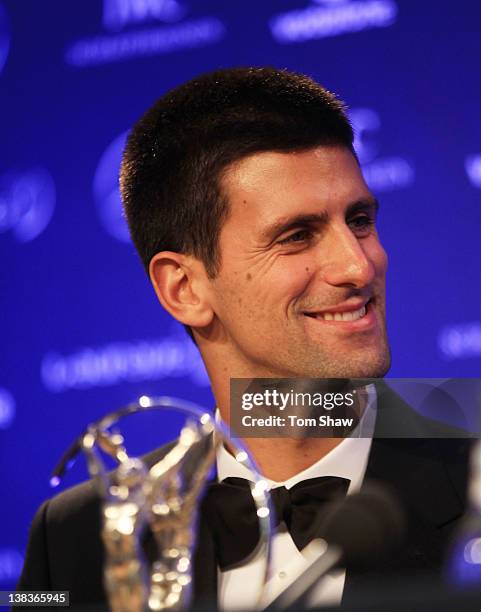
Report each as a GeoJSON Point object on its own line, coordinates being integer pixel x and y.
{"type": "Point", "coordinates": [426, 466]}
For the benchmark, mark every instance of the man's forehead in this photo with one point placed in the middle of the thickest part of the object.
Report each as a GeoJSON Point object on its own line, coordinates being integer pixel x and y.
{"type": "Point", "coordinates": [311, 182]}
{"type": "Point", "coordinates": [245, 172]}
{"type": "Point", "coordinates": [254, 171]}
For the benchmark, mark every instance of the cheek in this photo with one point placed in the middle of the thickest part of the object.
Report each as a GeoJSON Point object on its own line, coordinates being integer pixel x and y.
{"type": "Point", "coordinates": [384, 260]}
{"type": "Point", "coordinates": [254, 294]}
{"type": "Point", "coordinates": [378, 257]}
{"type": "Point", "coordinates": [291, 277]}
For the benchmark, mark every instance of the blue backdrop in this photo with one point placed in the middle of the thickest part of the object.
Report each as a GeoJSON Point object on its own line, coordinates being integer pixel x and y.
{"type": "Point", "coordinates": [82, 332]}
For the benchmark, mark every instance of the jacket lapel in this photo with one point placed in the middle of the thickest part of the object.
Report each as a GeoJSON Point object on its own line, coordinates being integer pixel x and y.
{"type": "Point", "coordinates": [204, 567]}
{"type": "Point", "coordinates": [418, 469]}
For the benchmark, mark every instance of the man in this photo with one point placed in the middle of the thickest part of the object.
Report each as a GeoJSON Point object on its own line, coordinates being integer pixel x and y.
{"type": "Point", "coordinates": [247, 205]}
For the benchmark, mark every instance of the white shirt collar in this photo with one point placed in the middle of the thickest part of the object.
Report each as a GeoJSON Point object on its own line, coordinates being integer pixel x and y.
{"type": "Point", "coordinates": [347, 460]}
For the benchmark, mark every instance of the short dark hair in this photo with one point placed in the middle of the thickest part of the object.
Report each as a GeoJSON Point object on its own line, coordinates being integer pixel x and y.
{"type": "Point", "coordinates": [176, 153]}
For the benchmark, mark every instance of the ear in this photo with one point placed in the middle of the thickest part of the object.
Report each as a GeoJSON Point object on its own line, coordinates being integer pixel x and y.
{"type": "Point", "coordinates": [180, 282]}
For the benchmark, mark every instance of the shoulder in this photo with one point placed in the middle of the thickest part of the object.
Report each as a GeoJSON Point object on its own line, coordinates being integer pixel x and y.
{"type": "Point", "coordinates": [397, 419]}
{"type": "Point", "coordinates": [81, 502]}
{"type": "Point", "coordinates": [64, 550]}
{"type": "Point", "coordinates": [428, 455]}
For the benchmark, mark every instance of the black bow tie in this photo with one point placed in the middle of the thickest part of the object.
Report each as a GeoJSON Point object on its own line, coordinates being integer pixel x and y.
{"type": "Point", "coordinates": [231, 513]}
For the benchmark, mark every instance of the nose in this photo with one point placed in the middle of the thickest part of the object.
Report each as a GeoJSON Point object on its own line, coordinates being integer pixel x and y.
{"type": "Point", "coordinates": [345, 260]}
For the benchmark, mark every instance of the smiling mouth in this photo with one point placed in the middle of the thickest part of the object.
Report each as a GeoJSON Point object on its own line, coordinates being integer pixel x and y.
{"type": "Point", "coordinates": [351, 315]}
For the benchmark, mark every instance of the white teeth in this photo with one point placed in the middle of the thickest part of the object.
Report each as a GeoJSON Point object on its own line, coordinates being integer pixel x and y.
{"type": "Point", "coordinates": [344, 316]}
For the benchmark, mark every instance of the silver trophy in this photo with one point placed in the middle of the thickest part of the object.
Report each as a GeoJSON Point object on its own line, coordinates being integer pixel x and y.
{"type": "Point", "coordinates": [163, 498]}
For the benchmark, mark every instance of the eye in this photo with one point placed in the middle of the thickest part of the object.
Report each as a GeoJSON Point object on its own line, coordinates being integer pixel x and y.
{"type": "Point", "coordinates": [299, 236]}
{"type": "Point", "coordinates": [362, 224]}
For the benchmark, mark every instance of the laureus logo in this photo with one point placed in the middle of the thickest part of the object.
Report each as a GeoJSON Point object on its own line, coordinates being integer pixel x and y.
{"type": "Point", "coordinates": [11, 562]}
{"type": "Point", "coordinates": [106, 190]}
{"type": "Point", "coordinates": [472, 165]}
{"type": "Point", "coordinates": [7, 408]}
{"type": "Point", "coordinates": [141, 28]}
{"type": "Point", "coordinates": [118, 14]}
{"type": "Point", "coordinates": [328, 18]}
{"type": "Point", "coordinates": [381, 173]}
{"type": "Point", "coordinates": [4, 37]}
{"type": "Point", "coordinates": [27, 202]}
{"type": "Point", "coordinates": [460, 341]}
{"type": "Point", "coordinates": [173, 356]}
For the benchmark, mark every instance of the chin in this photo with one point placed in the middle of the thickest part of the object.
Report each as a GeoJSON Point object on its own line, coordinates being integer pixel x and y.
{"type": "Point", "coordinates": [373, 367]}
{"type": "Point", "coordinates": [367, 365]}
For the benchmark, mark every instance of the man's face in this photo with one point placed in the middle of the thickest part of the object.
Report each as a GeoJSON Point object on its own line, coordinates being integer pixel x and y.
{"type": "Point", "coordinates": [301, 286]}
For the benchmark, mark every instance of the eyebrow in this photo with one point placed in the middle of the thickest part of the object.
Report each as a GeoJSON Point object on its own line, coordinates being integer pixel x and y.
{"type": "Point", "coordinates": [284, 224]}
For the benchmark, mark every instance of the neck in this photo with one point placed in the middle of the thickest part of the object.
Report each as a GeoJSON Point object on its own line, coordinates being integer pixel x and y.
{"type": "Point", "coordinates": [277, 458]}
{"type": "Point", "coordinates": [281, 458]}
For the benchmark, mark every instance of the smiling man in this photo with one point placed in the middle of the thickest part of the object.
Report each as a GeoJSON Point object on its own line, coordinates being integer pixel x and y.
{"type": "Point", "coordinates": [301, 251]}
{"type": "Point", "coordinates": [247, 205]}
